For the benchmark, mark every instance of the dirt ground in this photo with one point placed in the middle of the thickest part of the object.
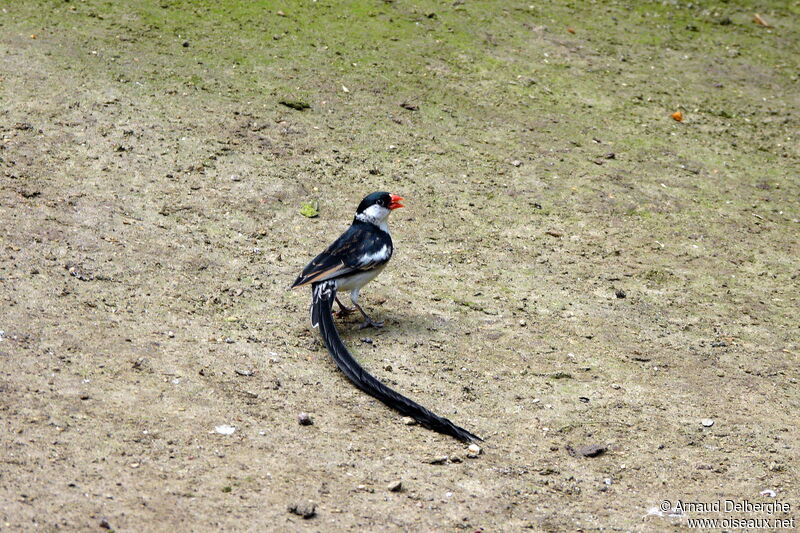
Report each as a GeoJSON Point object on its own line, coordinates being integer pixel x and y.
{"type": "Point", "coordinates": [574, 267]}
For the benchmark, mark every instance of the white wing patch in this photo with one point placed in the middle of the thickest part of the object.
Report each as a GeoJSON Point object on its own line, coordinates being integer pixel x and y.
{"type": "Point", "coordinates": [377, 257]}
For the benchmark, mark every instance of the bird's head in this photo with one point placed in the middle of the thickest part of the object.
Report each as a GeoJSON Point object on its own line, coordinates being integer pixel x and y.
{"type": "Point", "coordinates": [376, 207]}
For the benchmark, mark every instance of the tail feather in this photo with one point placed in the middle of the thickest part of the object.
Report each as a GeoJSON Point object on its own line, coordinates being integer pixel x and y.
{"type": "Point", "coordinates": [323, 295]}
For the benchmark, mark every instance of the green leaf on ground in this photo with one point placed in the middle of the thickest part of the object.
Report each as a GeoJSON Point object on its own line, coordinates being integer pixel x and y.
{"type": "Point", "coordinates": [310, 209]}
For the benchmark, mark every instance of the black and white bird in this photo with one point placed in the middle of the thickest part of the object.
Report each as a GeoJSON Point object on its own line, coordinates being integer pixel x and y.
{"type": "Point", "coordinates": [352, 261]}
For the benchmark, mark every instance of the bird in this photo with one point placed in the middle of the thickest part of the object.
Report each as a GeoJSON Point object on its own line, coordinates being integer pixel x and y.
{"type": "Point", "coordinates": [349, 263]}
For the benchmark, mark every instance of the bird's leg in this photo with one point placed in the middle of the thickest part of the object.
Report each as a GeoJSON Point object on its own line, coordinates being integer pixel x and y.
{"type": "Point", "coordinates": [367, 320]}
{"type": "Point", "coordinates": [343, 311]}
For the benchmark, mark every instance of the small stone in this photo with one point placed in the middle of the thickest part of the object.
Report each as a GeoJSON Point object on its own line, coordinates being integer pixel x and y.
{"type": "Point", "coordinates": [225, 429]}
{"type": "Point", "coordinates": [456, 459]}
{"type": "Point", "coordinates": [395, 486]}
{"type": "Point", "coordinates": [619, 293]}
{"type": "Point", "coordinates": [516, 162]}
{"type": "Point", "coordinates": [616, 386]}
{"type": "Point", "coordinates": [590, 450]}
{"type": "Point", "coordinates": [304, 419]}
{"type": "Point", "coordinates": [104, 524]}
{"type": "Point", "coordinates": [776, 467]}
{"type": "Point", "coordinates": [474, 450]}
{"type": "Point", "coordinates": [707, 422]}
{"type": "Point", "coordinates": [236, 177]}
{"type": "Point", "coordinates": [407, 420]}
{"type": "Point", "coordinates": [185, 44]}
{"type": "Point", "coordinates": [769, 493]}
{"type": "Point", "coordinates": [438, 460]}
{"type": "Point", "coordinates": [306, 510]}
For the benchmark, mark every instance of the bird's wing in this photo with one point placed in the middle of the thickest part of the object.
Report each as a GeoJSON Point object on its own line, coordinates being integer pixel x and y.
{"type": "Point", "coordinates": [361, 247]}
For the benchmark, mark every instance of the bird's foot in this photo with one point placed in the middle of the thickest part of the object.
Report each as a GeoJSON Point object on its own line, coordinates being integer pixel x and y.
{"type": "Point", "coordinates": [368, 322]}
{"type": "Point", "coordinates": [371, 323]}
{"type": "Point", "coordinates": [343, 310]}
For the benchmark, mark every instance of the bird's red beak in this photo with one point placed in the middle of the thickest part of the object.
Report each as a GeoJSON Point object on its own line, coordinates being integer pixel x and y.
{"type": "Point", "coordinates": [396, 201]}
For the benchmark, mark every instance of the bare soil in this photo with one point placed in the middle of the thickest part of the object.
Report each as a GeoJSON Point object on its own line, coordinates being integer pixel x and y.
{"type": "Point", "coordinates": [574, 267]}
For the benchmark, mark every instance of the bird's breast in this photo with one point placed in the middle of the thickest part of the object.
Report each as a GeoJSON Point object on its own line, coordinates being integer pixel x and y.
{"type": "Point", "coordinates": [358, 280]}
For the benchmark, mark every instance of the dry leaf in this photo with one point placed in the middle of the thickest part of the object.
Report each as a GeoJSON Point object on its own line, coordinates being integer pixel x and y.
{"type": "Point", "coordinates": [677, 115]}
{"type": "Point", "coordinates": [570, 30]}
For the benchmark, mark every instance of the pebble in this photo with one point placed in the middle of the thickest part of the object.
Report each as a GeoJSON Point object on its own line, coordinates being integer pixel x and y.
{"type": "Point", "coordinates": [304, 419]}
{"type": "Point", "coordinates": [395, 486]}
{"type": "Point", "coordinates": [707, 422]}
{"type": "Point", "coordinates": [438, 460]}
{"type": "Point", "coordinates": [225, 429]}
{"type": "Point", "coordinates": [407, 420]}
{"type": "Point", "coordinates": [769, 493]}
{"type": "Point", "coordinates": [474, 451]}
{"type": "Point", "coordinates": [306, 510]}
{"type": "Point", "coordinates": [516, 162]}
{"type": "Point", "coordinates": [590, 450]}
{"type": "Point", "coordinates": [619, 293]}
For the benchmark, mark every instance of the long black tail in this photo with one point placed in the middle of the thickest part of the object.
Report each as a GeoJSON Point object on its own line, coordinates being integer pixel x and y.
{"type": "Point", "coordinates": [323, 295]}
